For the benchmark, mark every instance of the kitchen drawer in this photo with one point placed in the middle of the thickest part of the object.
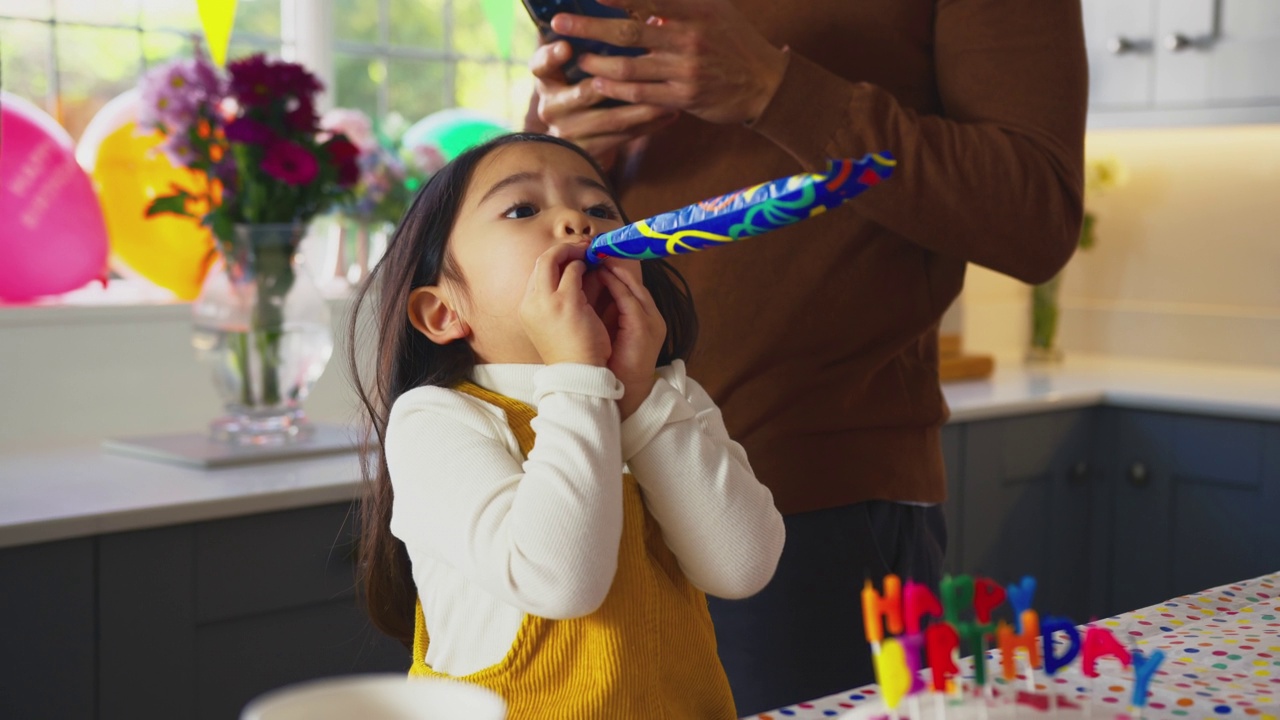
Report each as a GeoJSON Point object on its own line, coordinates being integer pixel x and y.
{"type": "Point", "coordinates": [261, 563]}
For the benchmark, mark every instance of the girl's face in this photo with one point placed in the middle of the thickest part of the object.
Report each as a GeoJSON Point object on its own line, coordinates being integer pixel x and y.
{"type": "Point", "coordinates": [521, 200]}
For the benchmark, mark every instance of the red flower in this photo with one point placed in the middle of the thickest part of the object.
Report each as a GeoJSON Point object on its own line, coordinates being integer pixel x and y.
{"type": "Point", "coordinates": [257, 81]}
{"type": "Point", "coordinates": [290, 163]}
{"type": "Point", "coordinates": [344, 154]}
{"type": "Point", "coordinates": [303, 118]}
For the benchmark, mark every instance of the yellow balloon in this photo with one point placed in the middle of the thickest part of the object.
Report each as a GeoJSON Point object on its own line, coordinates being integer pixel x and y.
{"type": "Point", "coordinates": [171, 251]}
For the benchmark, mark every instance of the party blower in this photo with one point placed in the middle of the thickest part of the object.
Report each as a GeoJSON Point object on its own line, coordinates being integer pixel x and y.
{"type": "Point", "coordinates": [744, 213]}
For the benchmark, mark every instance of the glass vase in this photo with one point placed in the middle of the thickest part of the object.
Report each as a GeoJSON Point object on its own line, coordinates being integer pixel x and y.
{"type": "Point", "coordinates": [262, 327]}
{"type": "Point", "coordinates": [1045, 313]}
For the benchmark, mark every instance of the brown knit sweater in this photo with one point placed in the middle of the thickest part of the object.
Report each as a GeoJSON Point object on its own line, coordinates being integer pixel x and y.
{"type": "Point", "coordinates": [819, 341]}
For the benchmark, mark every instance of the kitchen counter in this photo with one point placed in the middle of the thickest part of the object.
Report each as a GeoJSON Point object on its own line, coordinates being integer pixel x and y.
{"type": "Point", "coordinates": [82, 491]}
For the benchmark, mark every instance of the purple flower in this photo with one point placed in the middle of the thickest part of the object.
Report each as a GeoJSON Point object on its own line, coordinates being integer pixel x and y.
{"type": "Point", "coordinates": [249, 131]}
{"type": "Point", "coordinates": [174, 96]}
{"type": "Point", "coordinates": [290, 163]}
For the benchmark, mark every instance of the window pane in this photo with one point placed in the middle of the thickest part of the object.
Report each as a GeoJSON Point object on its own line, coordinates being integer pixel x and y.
{"type": "Point", "coordinates": [258, 17]}
{"type": "Point", "coordinates": [524, 40]}
{"type": "Point", "coordinates": [415, 88]}
{"type": "Point", "coordinates": [41, 9]}
{"type": "Point", "coordinates": [94, 65]}
{"type": "Point", "coordinates": [24, 54]}
{"type": "Point", "coordinates": [420, 23]}
{"type": "Point", "coordinates": [356, 20]}
{"type": "Point", "coordinates": [113, 12]}
{"type": "Point", "coordinates": [160, 47]}
{"type": "Point", "coordinates": [171, 15]}
{"type": "Point", "coordinates": [242, 48]}
{"type": "Point", "coordinates": [473, 34]}
{"type": "Point", "coordinates": [356, 80]}
{"type": "Point", "coordinates": [497, 89]}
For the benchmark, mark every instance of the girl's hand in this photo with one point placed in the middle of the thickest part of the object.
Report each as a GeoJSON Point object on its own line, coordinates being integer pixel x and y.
{"type": "Point", "coordinates": [639, 335]}
{"type": "Point", "coordinates": [704, 58]}
{"type": "Point", "coordinates": [556, 315]}
{"type": "Point", "coordinates": [567, 109]}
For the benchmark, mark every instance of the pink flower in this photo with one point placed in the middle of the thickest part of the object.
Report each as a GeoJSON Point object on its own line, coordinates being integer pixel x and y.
{"type": "Point", "coordinates": [352, 123]}
{"type": "Point", "coordinates": [290, 163]}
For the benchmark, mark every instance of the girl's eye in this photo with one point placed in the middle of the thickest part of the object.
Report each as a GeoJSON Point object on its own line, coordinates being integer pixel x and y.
{"type": "Point", "coordinates": [603, 210]}
{"type": "Point", "coordinates": [520, 211]}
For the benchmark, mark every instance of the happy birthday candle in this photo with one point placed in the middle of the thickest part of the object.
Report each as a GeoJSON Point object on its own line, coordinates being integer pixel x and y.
{"type": "Point", "coordinates": [941, 641]}
{"type": "Point", "coordinates": [891, 672]}
{"type": "Point", "coordinates": [887, 606]}
{"type": "Point", "coordinates": [1099, 643]}
{"type": "Point", "coordinates": [973, 636]}
{"type": "Point", "coordinates": [918, 601]}
{"type": "Point", "coordinates": [1052, 661]}
{"type": "Point", "coordinates": [745, 213]}
{"type": "Point", "coordinates": [1028, 639]}
{"type": "Point", "coordinates": [1144, 668]}
{"type": "Point", "coordinates": [1021, 596]}
{"type": "Point", "coordinates": [987, 596]}
{"type": "Point", "coordinates": [957, 597]}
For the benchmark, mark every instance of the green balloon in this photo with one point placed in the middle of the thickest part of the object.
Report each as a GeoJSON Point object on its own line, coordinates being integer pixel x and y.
{"type": "Point", "coordinates": [453, 131]}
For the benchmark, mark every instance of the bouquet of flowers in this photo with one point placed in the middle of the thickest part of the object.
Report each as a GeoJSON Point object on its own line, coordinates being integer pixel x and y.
{"type": "Point", "coordinates": [255, 138]}
{"type": "Point", "coordinates": [389, 174]}
{"type": "Point", "coordinates": [262, 169]}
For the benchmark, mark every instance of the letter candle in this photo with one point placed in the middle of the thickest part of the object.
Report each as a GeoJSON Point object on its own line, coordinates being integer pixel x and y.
{"type": "Point", "coordinates": [1054, 662]}
{"type": "Point", "coordinates": [1144, 668]}
{"type": "Point", "coordinates": [1028, 639]}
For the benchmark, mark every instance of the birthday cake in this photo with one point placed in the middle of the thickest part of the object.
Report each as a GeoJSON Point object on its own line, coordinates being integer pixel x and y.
{"type": "Point", "coordinates": [917, 642]}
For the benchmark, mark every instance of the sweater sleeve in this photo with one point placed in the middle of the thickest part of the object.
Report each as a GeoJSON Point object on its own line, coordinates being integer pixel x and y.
{"type": "Point", "coordinates": [541, 535]}
{"type": "Point", "coordinates": [715, 515]}
{"type": "Point", "coordinates": [999, 172]}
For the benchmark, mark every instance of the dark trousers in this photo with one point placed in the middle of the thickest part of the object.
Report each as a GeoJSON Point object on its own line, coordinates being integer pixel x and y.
{"type": "Point", "coordinates": [801, 637]}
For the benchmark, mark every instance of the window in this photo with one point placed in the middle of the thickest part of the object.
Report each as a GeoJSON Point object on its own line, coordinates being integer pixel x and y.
{"type": "Point", "coordinates": [409, 58]}
{"type": "Point", "coordinates": [72, 56]}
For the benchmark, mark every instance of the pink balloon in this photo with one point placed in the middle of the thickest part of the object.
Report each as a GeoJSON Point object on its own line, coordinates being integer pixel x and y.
{"type": "Point", "coordinates": [52, 235]}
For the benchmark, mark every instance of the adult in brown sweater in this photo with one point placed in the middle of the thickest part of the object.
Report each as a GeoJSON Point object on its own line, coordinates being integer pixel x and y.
{"type": "Point", "coordinates": [819, 341]}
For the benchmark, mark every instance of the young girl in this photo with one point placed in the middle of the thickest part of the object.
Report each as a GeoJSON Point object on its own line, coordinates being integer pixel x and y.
{"type": "Point", "coordinates": [568, 574]}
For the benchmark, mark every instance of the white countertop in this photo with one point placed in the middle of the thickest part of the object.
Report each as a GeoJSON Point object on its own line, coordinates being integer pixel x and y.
{"type": "Point", "coordinates": [80, 491]}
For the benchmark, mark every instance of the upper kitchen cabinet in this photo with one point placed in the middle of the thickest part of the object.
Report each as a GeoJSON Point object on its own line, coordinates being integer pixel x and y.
{"type": "Point", "coordinates": [1182, 62]}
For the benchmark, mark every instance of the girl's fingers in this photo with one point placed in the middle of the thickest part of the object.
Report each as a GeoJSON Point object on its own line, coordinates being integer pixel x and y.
{"type": "Point", "coordinates": [637, 289]}
{"type": "Point", "coordinates": [623, 296]}
{"type": "Point", "coordinates": [548, 268]}
{"type": "Point", "coordinates": [571, 279]}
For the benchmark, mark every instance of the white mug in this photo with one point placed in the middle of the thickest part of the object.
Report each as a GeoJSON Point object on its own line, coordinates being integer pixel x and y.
{"type": "Point", "coordinates": [377, 697]}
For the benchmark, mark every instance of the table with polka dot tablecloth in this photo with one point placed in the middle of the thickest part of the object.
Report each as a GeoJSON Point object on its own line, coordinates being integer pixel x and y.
{"type": "Point", "coordinates": [1222, 660]}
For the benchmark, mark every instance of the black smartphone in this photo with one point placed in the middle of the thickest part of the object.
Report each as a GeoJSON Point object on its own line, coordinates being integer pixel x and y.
{"type": "Point", "coordinates": [543, 10]}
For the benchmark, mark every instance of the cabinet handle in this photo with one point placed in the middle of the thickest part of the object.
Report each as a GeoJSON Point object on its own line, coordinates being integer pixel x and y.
{"type": "Point", "coordinates": [1079, 473]}
{"type": "Point", "coordinates": [1121, 45]}
{"type": "Point", "coordinates": [1177, 42]}
{"type": "Point", "coordinates": [1138, 475]}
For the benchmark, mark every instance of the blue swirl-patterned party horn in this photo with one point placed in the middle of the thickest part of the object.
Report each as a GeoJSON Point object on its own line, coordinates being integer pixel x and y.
{"type": "Point", "coordinates": [742, 214]}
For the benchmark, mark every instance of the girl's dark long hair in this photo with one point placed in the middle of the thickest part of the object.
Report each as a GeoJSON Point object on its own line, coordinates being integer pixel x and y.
{"type": "Point", "coordinates": [418, 255]}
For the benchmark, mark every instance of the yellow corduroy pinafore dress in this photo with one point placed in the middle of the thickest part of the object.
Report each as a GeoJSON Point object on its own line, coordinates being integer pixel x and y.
{"type": "Point", "coordinates": [649, 651]}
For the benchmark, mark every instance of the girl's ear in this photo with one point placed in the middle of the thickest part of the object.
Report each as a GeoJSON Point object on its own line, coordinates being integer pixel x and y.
{"type": "Point", "coordinates": [431, 312]}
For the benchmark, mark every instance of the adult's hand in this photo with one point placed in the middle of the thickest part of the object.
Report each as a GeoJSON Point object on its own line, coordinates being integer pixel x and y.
{"type": "Point", "coordinates": [568, 113]}
{"type": "Point", "coordinates": [704, 58]}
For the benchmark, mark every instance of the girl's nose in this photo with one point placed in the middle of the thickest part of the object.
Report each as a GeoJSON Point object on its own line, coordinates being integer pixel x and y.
{"type": "Point", "coordinates": [573, 223]}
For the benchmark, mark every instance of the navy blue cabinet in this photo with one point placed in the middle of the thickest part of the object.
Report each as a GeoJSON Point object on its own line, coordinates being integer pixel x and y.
{"type": "Point", "coordinates": [1026, 505]}
{"type": "Point", "coordinates": [1196, 503]}
{"type": "Point", "coordinates": [952, 458]}
{"type": "Point", "coordinates": [48, 636]}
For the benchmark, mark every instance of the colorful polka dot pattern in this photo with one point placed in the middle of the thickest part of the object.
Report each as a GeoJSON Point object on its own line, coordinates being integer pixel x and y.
{"type": "Point", "coordinates": [1222, 649]}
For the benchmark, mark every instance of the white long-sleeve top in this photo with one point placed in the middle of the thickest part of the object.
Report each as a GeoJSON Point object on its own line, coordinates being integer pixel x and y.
{"type": "Point", "coordinates": [493, 536]}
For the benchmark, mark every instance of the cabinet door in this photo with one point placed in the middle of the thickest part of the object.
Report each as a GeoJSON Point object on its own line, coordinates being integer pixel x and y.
{"type": "Point", "coordinates": [48, 641]}
{"type": "Point", "coordinates": [1119, 37]}
{"type": "Point", "coordinates": [1194, 506]}
{"type": "Point", "coordinates": [1026, 505]}
{"type": "Point", "coordinates": [1217, 53]}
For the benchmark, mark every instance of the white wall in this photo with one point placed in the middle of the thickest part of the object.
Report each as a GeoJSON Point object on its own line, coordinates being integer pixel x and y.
{"type": "Point", "coordinates": [1187, 264]}
{"type": "Point", "coordinates": [79, 375]}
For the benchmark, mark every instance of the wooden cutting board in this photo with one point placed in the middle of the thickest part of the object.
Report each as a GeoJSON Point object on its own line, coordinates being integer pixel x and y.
{"type": "Point", "coordinates": [954, 364]}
